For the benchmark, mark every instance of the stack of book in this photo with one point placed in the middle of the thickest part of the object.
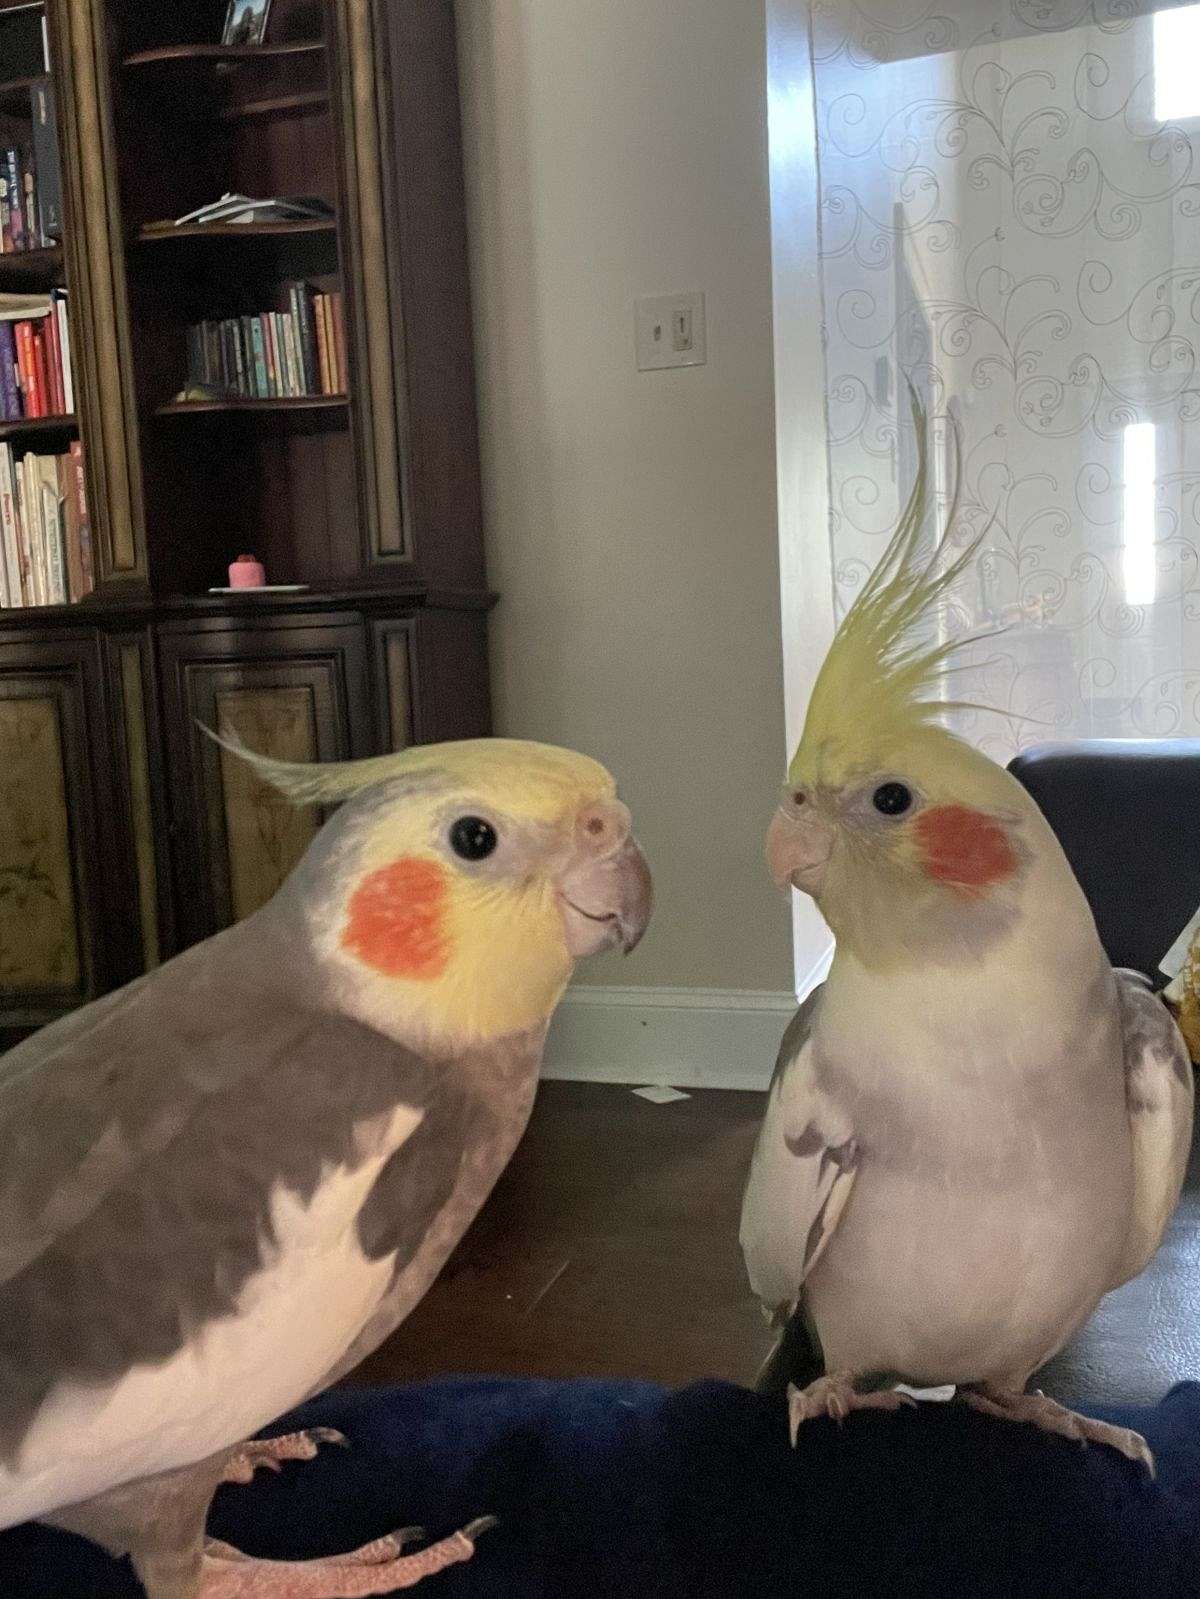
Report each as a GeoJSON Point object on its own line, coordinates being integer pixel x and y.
{"type": "Point", "coordinates": [35, 356]}
{"type": "Point", "coordinates": [274, 354]}
{"type": "Point", "coordinates": [31, 216]}
{"type": "Point", "coordinates": [45, 530]}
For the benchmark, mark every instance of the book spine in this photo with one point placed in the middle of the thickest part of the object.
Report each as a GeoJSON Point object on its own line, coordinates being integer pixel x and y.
{"type": "Point", "coordinates": [247, 342]}
{"type": "Point", "coordinates": [8, 529]}
{"type": "Point", "coordinates": [339, 341]}
{"type": "Point", "coordinates": [32, 514]}
{"type": "Point", "coordinates": [41, 366]}
{"type": "Point", "coordinates": [26, 367]}
{"type": "Point", "coordinates": [6, 240]}
{"type": "Point", "coordinates": [54, 368]}
{"type": "Point", "coordinates": [322, 341]}
{"type": "Point", "coordinates": [70, 518]}
{"type": "Point", "coordinates": [64, 351]}
{"type": "Point", "coordinates": [272, 364]}
{"type": "Point", "coordinates": [239, 358]}
{"type": "Point", "coordinates": [24, 549]}
{"type": "Point", "coordinates": [10, 394]}
{"type": "Point", "coordinates": [86, 563]}
{"type": "Point", "coordinates": [281, 361]}
{"type": "Point", "coordinates": [52, 523]}
{"type": "Point", "coordinates": [295, 375]}
{"type": "Point", "coordinates": [46, 163]}
{"type": "Point", "coordinates": [308, 334]}
{"type": "Point", "coordinates": [261, 388]}
{"type": "Point", "coordinates": [28, 189]}
{"type": "Point", "coordinates": [16, 210]}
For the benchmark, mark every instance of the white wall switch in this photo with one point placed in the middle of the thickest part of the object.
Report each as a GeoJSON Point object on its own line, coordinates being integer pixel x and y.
{"type": "Point", "coordinates": [669, 331]}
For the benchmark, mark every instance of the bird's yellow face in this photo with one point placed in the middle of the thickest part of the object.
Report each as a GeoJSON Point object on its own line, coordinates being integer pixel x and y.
{"type": "Point", "coordinates": [468, 884]}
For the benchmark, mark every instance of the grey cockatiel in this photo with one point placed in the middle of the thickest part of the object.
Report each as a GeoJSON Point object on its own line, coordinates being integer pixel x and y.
{"type": "Point", "coordinates": [224, 1185]}
{"type": "Point", "coordinates": [976, 1128]}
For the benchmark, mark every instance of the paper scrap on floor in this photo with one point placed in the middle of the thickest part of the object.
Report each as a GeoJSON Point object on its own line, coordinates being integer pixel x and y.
{"type": "Point", "coordinates": [658, 1094]}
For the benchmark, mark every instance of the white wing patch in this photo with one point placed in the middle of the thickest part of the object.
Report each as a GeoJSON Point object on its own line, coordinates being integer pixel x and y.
{"type": "Point", "coordinates": [295, 1318]}
{"type": "Point", "coordinates": [800, 1178]}
{"type": "Point", "coordinates": [1159, 1091]}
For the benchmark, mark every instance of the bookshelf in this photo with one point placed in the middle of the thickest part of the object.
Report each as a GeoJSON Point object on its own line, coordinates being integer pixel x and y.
{"type": "Point", "coordinates": [299, 389]}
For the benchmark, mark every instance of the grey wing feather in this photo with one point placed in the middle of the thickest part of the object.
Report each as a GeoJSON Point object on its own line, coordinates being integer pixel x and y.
{"type": "Point", "coordinates": [801, 1175]}
{"type": "Point", "coordinates": [1159, 1091]}
{"type": "Point", "coordinates": [85, 1101]}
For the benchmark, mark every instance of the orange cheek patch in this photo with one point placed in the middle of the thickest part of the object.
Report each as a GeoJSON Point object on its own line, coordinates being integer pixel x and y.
{"type": "Point", "coordinates": [964, 847]}
{"type": "Point", "coordinates": [396, 922]}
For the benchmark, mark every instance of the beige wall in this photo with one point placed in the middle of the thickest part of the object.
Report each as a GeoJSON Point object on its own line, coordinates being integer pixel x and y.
{"type": "Point", "coordinates": [616, 148]}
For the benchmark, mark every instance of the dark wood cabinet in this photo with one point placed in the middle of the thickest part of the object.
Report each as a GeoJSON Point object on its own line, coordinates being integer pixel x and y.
{"type": "Point", "coordinates": [125, 832]}
{"type": "Point", "coordinates": [59, 938]}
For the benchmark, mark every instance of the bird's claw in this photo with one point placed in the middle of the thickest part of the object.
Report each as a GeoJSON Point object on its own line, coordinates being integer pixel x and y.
{"type": "Point", "coordinates": [270, 1453]}
{"type": "Point", "coordinates": [1049, 1416]}
{"type": "Point", "coordinates": [835, 1396]}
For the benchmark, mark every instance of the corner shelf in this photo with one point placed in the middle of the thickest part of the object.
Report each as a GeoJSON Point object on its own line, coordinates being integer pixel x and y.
{"type": "Point", "coordinates": [205, 54]}
{"type": "Point", "coordinates": [291, 402]}
{"type": "Point", "coordinates": [17, 427]}
{"type": "Point", "coordinates": [236, 230]}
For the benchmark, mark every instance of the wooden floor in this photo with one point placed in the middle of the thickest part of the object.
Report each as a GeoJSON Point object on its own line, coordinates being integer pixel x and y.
{"type": "Point", "coordinates": [608, 1248]}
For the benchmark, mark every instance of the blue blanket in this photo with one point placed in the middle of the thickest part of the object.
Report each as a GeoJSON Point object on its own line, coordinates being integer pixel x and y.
{"type": "Point", "coordinates": [626, 1489]}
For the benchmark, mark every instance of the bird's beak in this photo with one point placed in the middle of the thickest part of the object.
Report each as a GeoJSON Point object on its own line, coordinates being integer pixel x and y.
{"type": "Point", "coordinates": [606, 892]}
{"type": "Point", "coordinates": [798, 848]}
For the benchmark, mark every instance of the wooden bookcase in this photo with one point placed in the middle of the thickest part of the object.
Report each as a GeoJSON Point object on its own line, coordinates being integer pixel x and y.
{"type": "Point", "coordinates": [124, 833]}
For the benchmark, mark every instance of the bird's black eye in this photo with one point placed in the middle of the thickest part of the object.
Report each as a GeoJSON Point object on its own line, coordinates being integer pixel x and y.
{"type": "Point", "coordinates": [892, 799]}
{"type": "Point", "coordinates": [473, 838]}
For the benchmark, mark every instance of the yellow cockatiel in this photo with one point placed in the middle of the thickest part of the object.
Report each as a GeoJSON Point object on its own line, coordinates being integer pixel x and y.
{"type": "Point", "coordinates": [976, 1128]}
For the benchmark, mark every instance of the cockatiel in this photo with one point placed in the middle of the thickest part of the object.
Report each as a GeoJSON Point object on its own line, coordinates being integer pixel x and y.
{"type": "Point", "coordinates": [976, 1127]}
{"type": "Point", "coordinates": [225, 1184]}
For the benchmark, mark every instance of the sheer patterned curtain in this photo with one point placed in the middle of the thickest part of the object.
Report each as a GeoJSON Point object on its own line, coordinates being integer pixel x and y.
{"type": "Point", "coordinates": [1010, 216]}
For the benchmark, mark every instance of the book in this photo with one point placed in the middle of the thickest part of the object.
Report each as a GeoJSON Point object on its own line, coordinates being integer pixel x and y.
{"type": "Point", "coordinates": [9, 545]}
{"type": "Point", "coordinates": [6, 238]}
{"type": "Point", "coordinates": [70, 518]}
{"type": "Point", "coordinates": [322, 342]}
{"type": "Point", "coordinates": [10, 394]}
{"type": "Point", "coordinates": [26, 307]}
{"type": "Point", "coordinates": [49, 209]}
{"type": "Point", "coordinates": [45, 339]}
{"type": "Point", "coordinates": [31, 523]}
{"type": "Point", "coordinates": [284, 324]}
{"type": "Point", "coordinates": [27, 189]}
{"type": "Point", "coordinates": [24, 550]}
{"type": "Point", "coordinates": [41, 366]}
{"type": "Point", "coordinates": [339, 340]}
{"type": "Point", "coordinates": [16, 208]}
{"type": "Point", "coordinates": [64, 351]}
{"type": "Point", "coordinates": [27, 369]}
{"type": "Point", "coordinates": [272, 363]}
{"type": "Point", "coordinates": [308, 334]}
{"type": "Point", "coordinates": [46, 469]}
{"type": "Point", "coordinates": [261, 386]}
{"type": "Point", "coordinates": [79, 478]}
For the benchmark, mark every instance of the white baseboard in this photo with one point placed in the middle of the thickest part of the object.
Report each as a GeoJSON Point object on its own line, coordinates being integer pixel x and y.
{"type": "Point", "coordinates": [685, 1037]}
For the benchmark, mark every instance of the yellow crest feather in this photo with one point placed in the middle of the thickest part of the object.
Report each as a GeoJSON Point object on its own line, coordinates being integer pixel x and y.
{"type": "Point", "coordinates": [540, 779]}
{"type": "Point", "coordinates": [873, 689]}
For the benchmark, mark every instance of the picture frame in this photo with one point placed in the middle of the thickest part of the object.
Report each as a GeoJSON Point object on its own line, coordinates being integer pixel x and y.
{"type": "Point", "coordinates": [246, 22]}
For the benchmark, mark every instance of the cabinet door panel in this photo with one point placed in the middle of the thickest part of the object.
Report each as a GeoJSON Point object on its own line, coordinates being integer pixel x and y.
{"type": "Point", "coordinates": [297, 693]}
{"type": "Point", "coordinates": [53, 845]}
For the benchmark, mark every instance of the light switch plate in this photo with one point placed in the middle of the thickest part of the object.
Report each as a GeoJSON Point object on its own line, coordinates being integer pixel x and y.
{"type": "Point", "coordinates": [669, 331]}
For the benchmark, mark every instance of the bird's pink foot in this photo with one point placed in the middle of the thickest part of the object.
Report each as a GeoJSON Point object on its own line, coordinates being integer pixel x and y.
{"type": "Point", "coordinates": [379, 1567]}
{"type": "Point", "coordinates": [246, 1459]}
{"type": "Point", "coordinates": [1010, 1404]}
{"type": "Point", "coordinates": [836, 1396]}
